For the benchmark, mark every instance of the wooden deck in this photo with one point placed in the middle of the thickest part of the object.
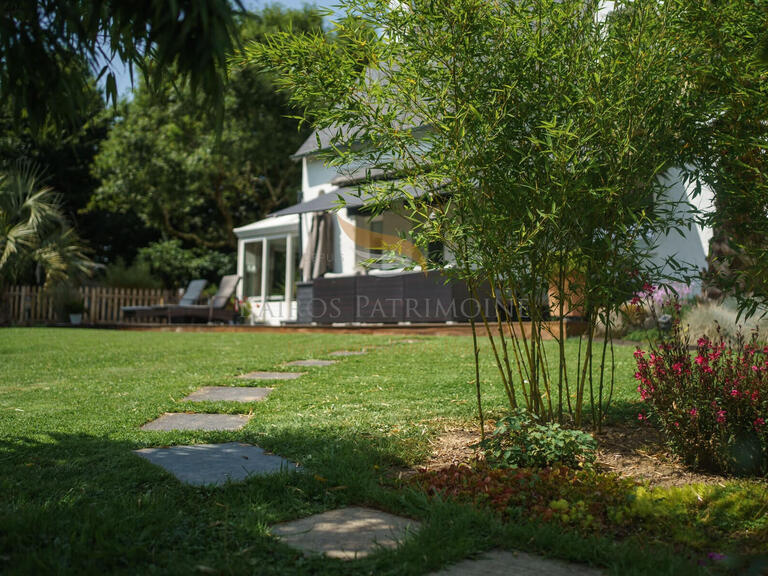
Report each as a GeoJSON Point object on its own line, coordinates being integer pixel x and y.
{"type": "Point", "coordinates": [421, 329]}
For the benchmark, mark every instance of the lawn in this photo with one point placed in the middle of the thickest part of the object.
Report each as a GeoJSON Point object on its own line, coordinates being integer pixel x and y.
{"type": "Point", "coordinates": [74, 499]}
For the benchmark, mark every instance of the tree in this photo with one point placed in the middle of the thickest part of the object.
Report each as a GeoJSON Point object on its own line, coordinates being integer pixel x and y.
{"type": "Point", "coordinates": [166, 161]}
{"type": "Point", "coordinates": [725, 50]}
{"type": "Point", "coordinates": [64, 155]}
{"type": "Point", "coordinates": [34, 234]}
{"type": "Point", "coordinates": [44, 43]}
{"type": "Point", "coordinates": [538, 132]}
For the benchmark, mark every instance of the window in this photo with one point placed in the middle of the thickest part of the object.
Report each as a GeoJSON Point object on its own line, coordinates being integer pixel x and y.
{"type": "Point", "coordinates": [252, 271]}
{"type": "Point", "coordinates": [276, 261]}
{"type": "Point", "coordinates": [377, 227]}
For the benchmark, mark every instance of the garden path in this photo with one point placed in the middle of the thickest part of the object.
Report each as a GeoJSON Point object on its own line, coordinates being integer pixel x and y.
{"type": "Point", "coordinates": [345, 533]}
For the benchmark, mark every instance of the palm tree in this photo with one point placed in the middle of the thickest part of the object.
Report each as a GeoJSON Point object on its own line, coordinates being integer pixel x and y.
{"type": "Point", "coordinates": [34, 230]}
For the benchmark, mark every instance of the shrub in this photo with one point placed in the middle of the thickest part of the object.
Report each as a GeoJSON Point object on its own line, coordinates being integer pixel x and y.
{"type": "Point", "coordinates": [519, 440]}
{"type": "Point", "coordinates": [177, 265]}
{"type": "Point", "coordinates": [137, 275]}
{"type": "Point", "coordinates": [712, 407]}
{"type": "Point", "coordinates": [636, 317]}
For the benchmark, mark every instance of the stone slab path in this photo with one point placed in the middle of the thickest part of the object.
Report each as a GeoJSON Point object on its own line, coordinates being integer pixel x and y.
{"type": "Point", "coordinates": [346, 533]}
{"type": "Point", "coordinates": [271, 375]}
{"type": "Point", "coordinates": [215, 464]}
{"type": "Point", "coordinates": [348, 353]}
{"type": "Point", "coordinates": [505, 563]}
{"type": "Point", "coordinates": [228, 394]}
{"type": "Point", "coordinates": [183, 421]}
{"type": "Point", "coordinates": [311, 363]}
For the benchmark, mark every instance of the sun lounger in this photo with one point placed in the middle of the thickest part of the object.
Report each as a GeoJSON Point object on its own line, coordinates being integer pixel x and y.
{"type": "Point", "coordinates": [190, 297]}
{"type": "Point", "coordinates": [216, 309]}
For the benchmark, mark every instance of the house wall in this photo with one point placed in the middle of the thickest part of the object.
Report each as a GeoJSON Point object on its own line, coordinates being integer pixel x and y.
{"type": "Point", "coordinates": [688, 247]}
{"type": "Point", "coordinates": [316, 180]}
{"type": "Point", "coordinates": [389, 223]}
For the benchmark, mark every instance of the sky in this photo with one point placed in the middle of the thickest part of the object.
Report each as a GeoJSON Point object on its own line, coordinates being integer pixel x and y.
{"type": "Point", "coordinates": [121, 70]}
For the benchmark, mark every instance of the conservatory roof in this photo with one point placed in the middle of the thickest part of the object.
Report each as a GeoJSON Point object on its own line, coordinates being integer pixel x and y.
{"type": "Point", "coordinates": [269, 226]}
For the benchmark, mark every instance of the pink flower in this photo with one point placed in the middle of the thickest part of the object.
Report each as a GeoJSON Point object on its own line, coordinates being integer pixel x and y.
{"type": "Point", "coordinates": [721, 416]}
{"type": "Point", "coordinates": [707, 369]}
{"type": "Point", "coordinates": [702, 342]}
{"type": "Point", "coordinates": [635, 301]}
{"type": "Point", "coordinates": [638, 376]}
{"type": "Point", "coordinates": [693, 412]}
{"type": "Point", "coordinates": [759, 423]}
{"type": "Point", "coordinates": [642, 416]}
{"type": "Point", "coordinates": [677, 424]}
{"type": "Point", "coordinates": [700, 360]}
{"type": "Point", "coordinates": [677, 367]}
{"type": "Point", "coordinates": [755, 368]}
{"type": "Point", "coordinates": [639, 353]}
{"type": "Point", "coordinates": [735, 393]}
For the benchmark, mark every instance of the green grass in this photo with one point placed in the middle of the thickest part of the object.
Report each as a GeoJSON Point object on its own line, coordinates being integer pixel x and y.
{"type": "Point", "coordinates": [74, 499]}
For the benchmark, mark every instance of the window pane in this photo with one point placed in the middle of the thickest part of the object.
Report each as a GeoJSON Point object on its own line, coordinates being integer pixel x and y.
{"type": "Point", "coordinates": [252, 273]}
{"type": "Point", "coordinates": [296, 266]}
{"type": "Point", "coordinates": [276, 263]}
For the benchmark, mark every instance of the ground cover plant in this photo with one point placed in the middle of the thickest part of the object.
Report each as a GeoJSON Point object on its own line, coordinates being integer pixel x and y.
{"type": "Point", "coordinates": [704, 521]}
{"type": "Point", "coordinates": [74, 499]}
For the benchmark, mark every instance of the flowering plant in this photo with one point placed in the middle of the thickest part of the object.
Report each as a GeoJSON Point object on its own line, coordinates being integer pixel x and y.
{"type": "Point", "coordinates": [712, 405]}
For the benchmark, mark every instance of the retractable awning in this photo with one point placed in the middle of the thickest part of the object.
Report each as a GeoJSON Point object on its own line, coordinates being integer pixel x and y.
{"type": "Point", "coordinates": [349, 197]}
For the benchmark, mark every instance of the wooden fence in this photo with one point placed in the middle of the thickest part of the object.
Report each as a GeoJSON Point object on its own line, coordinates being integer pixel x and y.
{"type": "Point", "coordinates": [32, 304]}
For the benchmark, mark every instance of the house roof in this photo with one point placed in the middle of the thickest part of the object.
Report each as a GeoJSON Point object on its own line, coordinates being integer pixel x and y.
{"type": "Point", "coordinates": [318, 140]}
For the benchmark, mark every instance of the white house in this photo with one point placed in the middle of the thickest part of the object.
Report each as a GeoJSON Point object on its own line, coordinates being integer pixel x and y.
{"type": "Point", "coordinates": [307, 263]}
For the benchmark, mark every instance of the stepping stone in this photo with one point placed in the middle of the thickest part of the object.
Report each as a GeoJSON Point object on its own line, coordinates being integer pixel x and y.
{"type": "Point", "coordinates": [346, 533]}
{"type": "Point", "coordinates": [228, 394]}
{"type": "Point", "coordinates": [271, 375]}
{"type": "Point", "coordinates": [348, 353]}
{"type": "Point", "coordinates": [215, 464]}
{"type": "Point", "coordinates": [502, 563]}
{"type": "Point", "coordinates": [311, 363]}
{"type": "Point", "coordinates": [183, 421]}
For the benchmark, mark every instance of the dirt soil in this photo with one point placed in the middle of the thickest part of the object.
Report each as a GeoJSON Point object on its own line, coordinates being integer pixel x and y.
{"type": "Point", "coordinates": [639, 452]}
{"type": "Point", "coordinates": [630, 451]}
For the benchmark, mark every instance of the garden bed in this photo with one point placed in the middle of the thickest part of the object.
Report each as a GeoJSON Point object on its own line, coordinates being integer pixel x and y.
{"type": "Point", "coordinates": [636, 452]}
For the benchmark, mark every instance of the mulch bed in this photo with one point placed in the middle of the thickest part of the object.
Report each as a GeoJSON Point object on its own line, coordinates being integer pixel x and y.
{"type": "Point", "coordinates": [630, 451]}
{"type": "Point", "coordinates": [639, 452]}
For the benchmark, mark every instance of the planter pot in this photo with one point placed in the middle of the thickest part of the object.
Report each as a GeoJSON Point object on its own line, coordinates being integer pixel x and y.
{"type": "Point", "coordinates": [75, 319]}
